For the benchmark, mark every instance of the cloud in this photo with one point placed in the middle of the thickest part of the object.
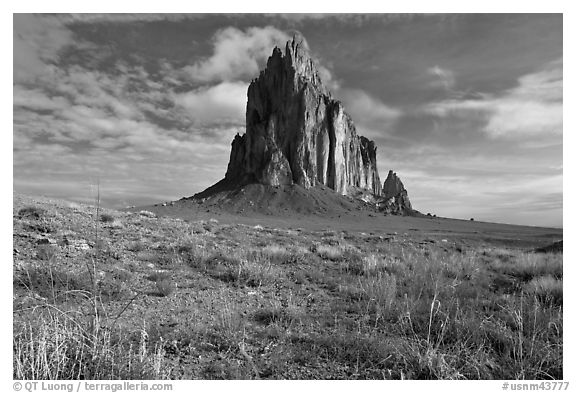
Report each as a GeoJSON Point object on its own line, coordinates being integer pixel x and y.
{"type": "Point", "coordinates": [444, 78]}
{"type": "Point", "coordinates": [37, 100]}
{"type": "Point", "coordinates": [76, 105]}
{"type": "Point", "coordinates": [532, 108]}
{"type": "Point", "coordinates": [514, 195]}
{"type": "Point", "coordinates": [373, 117]}
{"type": "Point", "coordinates": [357, 19]}
{"type": "Point", "coordinates": [73, 124]}
{"type": "Point", "coordinates": [225, 102]}
{"type": "Point", "coordinates": [94, 18]}
{"type": "Point", "coordinates": [95, 89]}
{"type": "Point", "coordinates": [237, 54]}
{"type": "Point", "coordinates": [37, 41]}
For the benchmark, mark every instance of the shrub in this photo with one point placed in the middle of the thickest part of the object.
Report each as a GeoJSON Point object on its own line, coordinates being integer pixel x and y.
{"type": "Point", "coordinates": [40, 226]}
{"type": "Point", "coordinates": [159, 258]}
{"type": "Point", "coordinates": [250, 268]}
{"type": "Point", "coordinates": [122, 275]}
{"type": "Point", "coordinates": [136, 246]}
{"type": "Point", "coordinates": [31, 212]}
{"type": "Point", "coordinates": [164, 284]}
{"type": "Point", "coordinates": [46, 252]}
{"type": "Point", "coordinates": [275, 315]}
{"type": "Point", "coordinates": [165, 287]}
{"type": "Point", "coordinates": [111, 288]}
{"type": "Point", "coordinates": [106, 218]}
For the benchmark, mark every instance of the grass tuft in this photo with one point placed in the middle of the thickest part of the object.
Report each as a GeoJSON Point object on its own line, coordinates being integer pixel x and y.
{"type": "Point", "coordinates": [546, 288]}
{"type": "Point", "coordinates": [61, 346]}
{"type": "Point", "coordinates": [331, 252]}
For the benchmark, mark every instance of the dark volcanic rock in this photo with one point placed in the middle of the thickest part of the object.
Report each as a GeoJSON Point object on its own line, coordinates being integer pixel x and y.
{"type": "Point", "coordinates": [296, 133]}
{"type": "Point", "coordinates": [298, 136]}
{"type": "Point", "coordinates": [394, 196]}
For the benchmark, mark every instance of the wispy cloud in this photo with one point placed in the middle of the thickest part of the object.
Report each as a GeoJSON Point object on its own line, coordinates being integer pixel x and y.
{"type": "Point", "coordinates": [533, 107]}
{"type": "Point", "coordinates": [444, 78]}
{"type": "Point", "coordinates": [94, 18]}
{"type": "Point", "coordinates": [37, 41]}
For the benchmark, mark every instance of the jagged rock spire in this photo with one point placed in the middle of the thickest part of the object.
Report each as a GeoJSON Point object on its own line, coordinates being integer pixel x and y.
{"type": "Point", "coordinates": [392, 185]}
{"type": "Point", "coordinates": [297, 134]}
{"type": "Point", "coordinates": [395, 197]}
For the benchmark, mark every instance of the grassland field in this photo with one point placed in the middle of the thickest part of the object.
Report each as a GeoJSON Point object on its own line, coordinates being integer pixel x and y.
{"type": "Point", "coordinates": [169, 292]}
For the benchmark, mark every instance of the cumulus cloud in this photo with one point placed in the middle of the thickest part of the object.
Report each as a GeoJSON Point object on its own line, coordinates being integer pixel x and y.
{"type": "Point", "coordinates": [237, 54]}
{"type": "Point", "coordinates": [533, 107]}
{"type": "Point", "coordinates": [224, 102]}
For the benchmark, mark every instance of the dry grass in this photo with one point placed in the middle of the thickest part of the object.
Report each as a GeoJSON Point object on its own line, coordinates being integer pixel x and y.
{"type": "Point", "coordinates": [329, 252]}
{"type": "Point", "coordinates": [62, 345]}
{"type": "Point", "coordinates": [245, 302]}
{"type": "Point", "coordinates": [547, 288]}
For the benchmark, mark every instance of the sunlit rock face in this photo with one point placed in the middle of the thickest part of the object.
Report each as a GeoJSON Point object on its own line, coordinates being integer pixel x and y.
{"type": "Point", "coordinates": [296, 133]}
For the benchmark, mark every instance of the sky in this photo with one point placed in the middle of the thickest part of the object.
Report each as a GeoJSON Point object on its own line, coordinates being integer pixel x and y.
{"type": "Point", "coordinates": [465, 108]}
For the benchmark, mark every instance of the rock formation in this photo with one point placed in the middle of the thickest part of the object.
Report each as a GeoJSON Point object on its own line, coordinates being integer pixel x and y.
{"type": "Point", "coordinates": [394, 196]}
{"type": "Point", "coordinates": [296, 133]}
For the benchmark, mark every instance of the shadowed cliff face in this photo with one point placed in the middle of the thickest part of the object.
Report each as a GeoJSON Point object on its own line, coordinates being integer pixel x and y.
{"type": "Point", "coordinates": [395, 197]}
{"type": "Point", "coordinates": [296, 133]}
